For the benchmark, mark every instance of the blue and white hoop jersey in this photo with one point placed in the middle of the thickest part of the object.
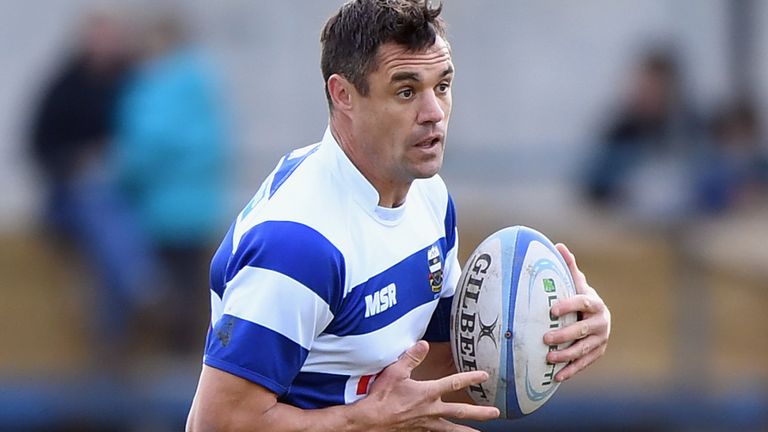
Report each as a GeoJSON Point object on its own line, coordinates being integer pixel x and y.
{"type": "Point", "coordinates": [316, 289]}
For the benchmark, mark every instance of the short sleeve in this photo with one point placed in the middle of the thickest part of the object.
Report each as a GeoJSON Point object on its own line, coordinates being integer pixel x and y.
{"type": "Point", "coordinates": [283, 283]}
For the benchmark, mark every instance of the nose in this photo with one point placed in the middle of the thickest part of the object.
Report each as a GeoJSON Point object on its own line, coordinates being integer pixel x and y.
{"type": "Point", "coordinates": [430, 110]}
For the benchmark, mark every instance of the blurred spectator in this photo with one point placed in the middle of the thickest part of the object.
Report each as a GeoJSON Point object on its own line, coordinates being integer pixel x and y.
{"type": "Point", "coordinates": [71, 132]}
{"type": "Point", "coordinates": [643, 162]}
{"type": "Point", "coordinates": [170, 163]}
{"type": "Point", "coordinates": [735, 169]}
{"type": "Point", "coordinates": [74, 120]}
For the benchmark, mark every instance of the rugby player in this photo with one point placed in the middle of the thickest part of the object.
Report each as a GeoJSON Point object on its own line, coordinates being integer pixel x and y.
{"type": "Point", "coordinates": [331, 292]}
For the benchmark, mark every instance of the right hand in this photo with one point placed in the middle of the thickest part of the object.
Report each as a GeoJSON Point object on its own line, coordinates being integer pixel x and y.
{"type": "Point", "coordinates": [398, 403]}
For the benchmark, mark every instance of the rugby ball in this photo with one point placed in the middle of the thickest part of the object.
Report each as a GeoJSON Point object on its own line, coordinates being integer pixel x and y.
{"type": "Point", "coordinates": [500, 313]}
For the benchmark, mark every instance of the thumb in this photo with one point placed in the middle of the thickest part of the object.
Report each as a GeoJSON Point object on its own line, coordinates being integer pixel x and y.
{"type": "Point", "coordinates": [402, 368]}
{"type": "Point", "coordinates": [413, 356]}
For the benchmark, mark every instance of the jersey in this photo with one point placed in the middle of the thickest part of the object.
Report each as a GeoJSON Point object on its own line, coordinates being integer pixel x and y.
{"type": "Point", "coordinates": [315, 288]}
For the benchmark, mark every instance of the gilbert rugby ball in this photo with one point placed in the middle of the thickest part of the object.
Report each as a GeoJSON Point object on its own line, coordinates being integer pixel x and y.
{"type": "Point", "coordinates": [500, 313]}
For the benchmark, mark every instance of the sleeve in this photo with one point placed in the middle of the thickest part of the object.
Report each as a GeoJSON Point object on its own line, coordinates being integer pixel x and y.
{"type": "Point", "coordinates": [284, 282]}
{"type": "Point", "coordinates": [438, 329]}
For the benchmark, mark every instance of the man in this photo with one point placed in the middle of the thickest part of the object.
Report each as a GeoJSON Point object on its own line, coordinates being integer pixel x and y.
{"type": "Point", "coordinates": [322, 290]}
{"type": "Point", "coordinates": [72, 133]}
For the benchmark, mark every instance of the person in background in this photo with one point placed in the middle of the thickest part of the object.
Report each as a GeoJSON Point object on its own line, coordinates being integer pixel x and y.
{"type": "Point", "coordinates": [168, 157]}
{"type": "Point", "coordinates": [74, 120]}
{"type": "Point", "coordinates": [642, 162]}
{"type": "Point", "coordinates": [71, 131]}
{"type": "Point", "coordinates": [735, 169]}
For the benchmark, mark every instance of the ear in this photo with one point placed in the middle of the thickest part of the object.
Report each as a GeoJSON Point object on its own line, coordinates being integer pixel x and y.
{"type": "Point", "coordinates": [341, 91]}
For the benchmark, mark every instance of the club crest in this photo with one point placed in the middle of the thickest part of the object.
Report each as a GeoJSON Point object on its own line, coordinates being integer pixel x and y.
{"type": "Point", "coordinates": [435, 269]}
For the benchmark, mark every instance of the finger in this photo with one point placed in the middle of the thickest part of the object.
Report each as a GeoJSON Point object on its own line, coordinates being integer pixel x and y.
{"type": "Point", "coordinates": [575, 367]}
{"type": "Point", "coordinates": [402, 368]}
{"type": "Point", "coordinates": [443, 425]}
{"type": "Point", "coordinates": [464, 411]}
{"type": "Point", "coordinates": [575, 331]}
{"type": "Point", "coordinates": [413, 356]}
{"type": "Point", "coordinates": [578, 303]}
{"type": "Point", "coordinates": [573, 352]}
{"type": "Point", "coordinates": [458, 381]}
{"type": "Point", "coordinates": [569, 257]}
{"type": "Point", "coordinates": [579, 280]}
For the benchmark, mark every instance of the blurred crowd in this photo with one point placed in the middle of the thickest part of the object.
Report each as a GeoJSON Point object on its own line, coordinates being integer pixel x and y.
{"type": "Point", "coordinates": [129, 135]}
{"type": "Point", "coordinates": [662, 160]}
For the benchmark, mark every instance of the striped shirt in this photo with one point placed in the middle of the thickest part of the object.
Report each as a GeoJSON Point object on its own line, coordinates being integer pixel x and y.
{"type": "Point", "coordinates": [315, 288]}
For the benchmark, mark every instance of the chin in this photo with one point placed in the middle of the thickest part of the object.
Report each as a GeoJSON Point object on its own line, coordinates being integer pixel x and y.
{"type": "Point", "coordinates": [427, 170]}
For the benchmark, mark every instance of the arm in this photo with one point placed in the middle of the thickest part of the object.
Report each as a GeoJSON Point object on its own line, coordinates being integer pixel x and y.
{"type": "Point", "coordinates": [396, 402]}
{"type": "Point", "coordinates": [225, 402]}
{"type": "Point", "coordinates": [589, 335]}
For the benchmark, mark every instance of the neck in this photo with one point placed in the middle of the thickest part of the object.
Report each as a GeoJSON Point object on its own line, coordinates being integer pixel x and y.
{"type": "Point", "coordinates": [392, 193]}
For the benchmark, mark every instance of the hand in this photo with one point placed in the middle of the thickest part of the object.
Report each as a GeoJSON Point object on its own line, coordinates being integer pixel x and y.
{"type": "Point", "coordinates": [398, 403]}
{"type": "Point", "coordinates": [589, 334]}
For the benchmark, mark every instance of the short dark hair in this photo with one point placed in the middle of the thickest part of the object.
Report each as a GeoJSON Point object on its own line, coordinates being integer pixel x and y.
{"type": "Point", "coordinates": [351, 38]}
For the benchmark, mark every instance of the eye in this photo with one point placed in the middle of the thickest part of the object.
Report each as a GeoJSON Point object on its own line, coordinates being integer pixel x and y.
{"type": "Point", "coordinates": [406, 93]}
{"type": "Point", "coordinates": [443, 88]}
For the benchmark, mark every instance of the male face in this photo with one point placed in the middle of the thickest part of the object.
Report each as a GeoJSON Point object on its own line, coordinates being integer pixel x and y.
{"type": "Point", "coordinates": [401, 124]}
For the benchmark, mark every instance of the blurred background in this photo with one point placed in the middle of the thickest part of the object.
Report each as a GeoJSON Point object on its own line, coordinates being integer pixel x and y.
{"type": "Point", "coordinates": [132, 132]}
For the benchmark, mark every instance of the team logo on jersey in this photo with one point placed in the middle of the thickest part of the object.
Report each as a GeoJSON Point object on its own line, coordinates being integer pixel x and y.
{"type": "Point", "coordinates": [435, 269]}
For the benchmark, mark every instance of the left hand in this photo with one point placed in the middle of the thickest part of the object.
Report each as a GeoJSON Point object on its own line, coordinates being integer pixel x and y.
{"type": "Point", "coordinates": [589, 335]}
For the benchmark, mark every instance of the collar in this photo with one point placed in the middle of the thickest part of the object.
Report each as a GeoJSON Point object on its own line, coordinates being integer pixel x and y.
{"type": "Point", "coordinates": [356, 185]}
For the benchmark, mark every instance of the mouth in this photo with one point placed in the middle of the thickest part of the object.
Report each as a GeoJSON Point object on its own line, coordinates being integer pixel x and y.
{"type": "Point", "coordinates": [430, 141]}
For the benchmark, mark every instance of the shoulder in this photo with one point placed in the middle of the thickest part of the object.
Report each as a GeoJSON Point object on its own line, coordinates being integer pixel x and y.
{"type": "Point", "coordinates": [304, 187]}
{"type": "Point", "coordinates": [284, 211]}
{"type": "Point", "coordinates": [281, 193]}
